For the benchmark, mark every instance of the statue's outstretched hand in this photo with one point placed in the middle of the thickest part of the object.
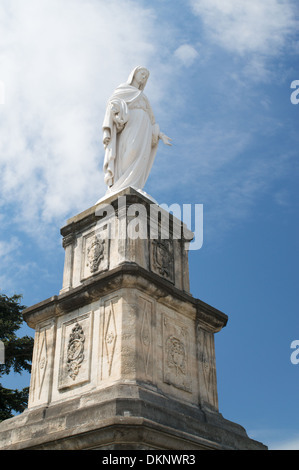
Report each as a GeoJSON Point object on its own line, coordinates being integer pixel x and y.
{"type": "Point", "coordinates": [166, 140]}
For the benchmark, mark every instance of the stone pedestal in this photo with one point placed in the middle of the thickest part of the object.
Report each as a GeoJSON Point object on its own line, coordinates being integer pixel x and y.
{"type": "Point", "coordinates": [124, 356]}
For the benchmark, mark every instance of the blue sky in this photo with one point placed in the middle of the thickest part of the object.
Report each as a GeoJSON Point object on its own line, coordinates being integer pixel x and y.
{"type": "Point", "coordinates": [220, 87]}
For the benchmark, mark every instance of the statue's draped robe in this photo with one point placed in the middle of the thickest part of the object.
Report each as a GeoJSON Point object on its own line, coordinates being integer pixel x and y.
{"type": "Point", "coordinates": [131, 151]}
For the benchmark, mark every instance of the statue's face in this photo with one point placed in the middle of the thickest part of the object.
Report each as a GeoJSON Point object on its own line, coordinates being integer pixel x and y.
{"type": "Point", "coordinates": [141, 77]}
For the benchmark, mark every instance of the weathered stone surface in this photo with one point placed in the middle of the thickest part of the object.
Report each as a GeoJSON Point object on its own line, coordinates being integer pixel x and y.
{"type": "Point", "coordinates": [90, 247]}
{"type": "Point", "coordinates": [124, 356]}
{"type": "Point", "coordinates": [123, 416]}
{"type": "Point", "coordinates": [126, 326]}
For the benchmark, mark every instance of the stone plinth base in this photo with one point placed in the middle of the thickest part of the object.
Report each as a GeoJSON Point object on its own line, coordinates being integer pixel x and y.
{"type": "Point", "coordinates": [124, 356]}
{"type": "Point", "coordinates": [123, 417]}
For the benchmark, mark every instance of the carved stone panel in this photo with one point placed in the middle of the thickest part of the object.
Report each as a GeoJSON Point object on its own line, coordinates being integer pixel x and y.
{"type": "Point", "coordinates": [162, 258]}
{"type": "Point", "coordinates": [207, 368]}
{"type": "Point", "coordinates": [109, 338]}
{"type": "Point", "coordinates": [176, 354]}
{"type": "Point", "coordinates": [41, 378]}
{"type": "Point", "coordinates": [146, 336]}
{"type": "Point", "coordinates": [75, 351]}
{"type": "Point", "coordinates": [95, 251]}
{"type": "Point", "coordinates": [75, 359]}
{"type": "Point", "coordinates": [42, 362]}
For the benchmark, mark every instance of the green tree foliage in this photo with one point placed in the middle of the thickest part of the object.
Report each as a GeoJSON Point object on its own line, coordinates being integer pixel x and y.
{"type": "Point", "coordinates": [18, 354]}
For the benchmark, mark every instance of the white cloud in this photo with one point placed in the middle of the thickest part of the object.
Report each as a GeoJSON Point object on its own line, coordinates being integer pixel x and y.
{"type": "Point", "coordinates": [256, 32]}
{"type": "Point", "coordinates": [59, 62]}
{"type": "Point", "coordinates": [186, 54]}
{"type": "Point", "coordinates": [9, 252]}
{"type": "Point", "coordinates": [8, 247]}
{"type": "Point", "coordinates": [247, 26]}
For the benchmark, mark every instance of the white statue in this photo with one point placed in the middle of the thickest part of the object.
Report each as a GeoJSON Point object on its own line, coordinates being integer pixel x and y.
{"type": "Point", "coordinates": [130, 135]}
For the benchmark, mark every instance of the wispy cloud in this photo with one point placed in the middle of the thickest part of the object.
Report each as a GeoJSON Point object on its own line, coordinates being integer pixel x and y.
{"type": "Point", "coordinates": [248, 26]}
{"type": "Point", "coordinates": [7, 247]}
{"type": "Point", "coordinates": [59, 62]}
{"type": "Point", "coordinates": [186, 54]}
{"type": "Point", "coordinates": [251, 28]}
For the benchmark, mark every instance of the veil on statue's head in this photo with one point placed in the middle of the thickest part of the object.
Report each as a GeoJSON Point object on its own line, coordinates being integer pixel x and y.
{"type": "Point", "coordinates": [132, 74]}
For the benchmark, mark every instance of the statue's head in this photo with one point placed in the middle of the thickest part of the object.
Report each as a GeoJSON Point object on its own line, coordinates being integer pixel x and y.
{"type": "Point", "coordinates": [138, 77]}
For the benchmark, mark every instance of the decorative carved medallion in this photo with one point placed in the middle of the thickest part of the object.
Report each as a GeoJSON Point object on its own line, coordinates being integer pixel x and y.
{"type": "Point", "coordinates": [95, 254]}
{"type": "Point", "coordinates": [176, 355]}
{"type": "Point", "coordinates": [75, 351]}
{"type": "Point", "coordinates": [162, 258]}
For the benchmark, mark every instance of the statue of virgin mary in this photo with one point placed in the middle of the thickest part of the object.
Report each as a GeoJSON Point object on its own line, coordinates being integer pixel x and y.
{"type": "Point", "coordinates": [130, 135]}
